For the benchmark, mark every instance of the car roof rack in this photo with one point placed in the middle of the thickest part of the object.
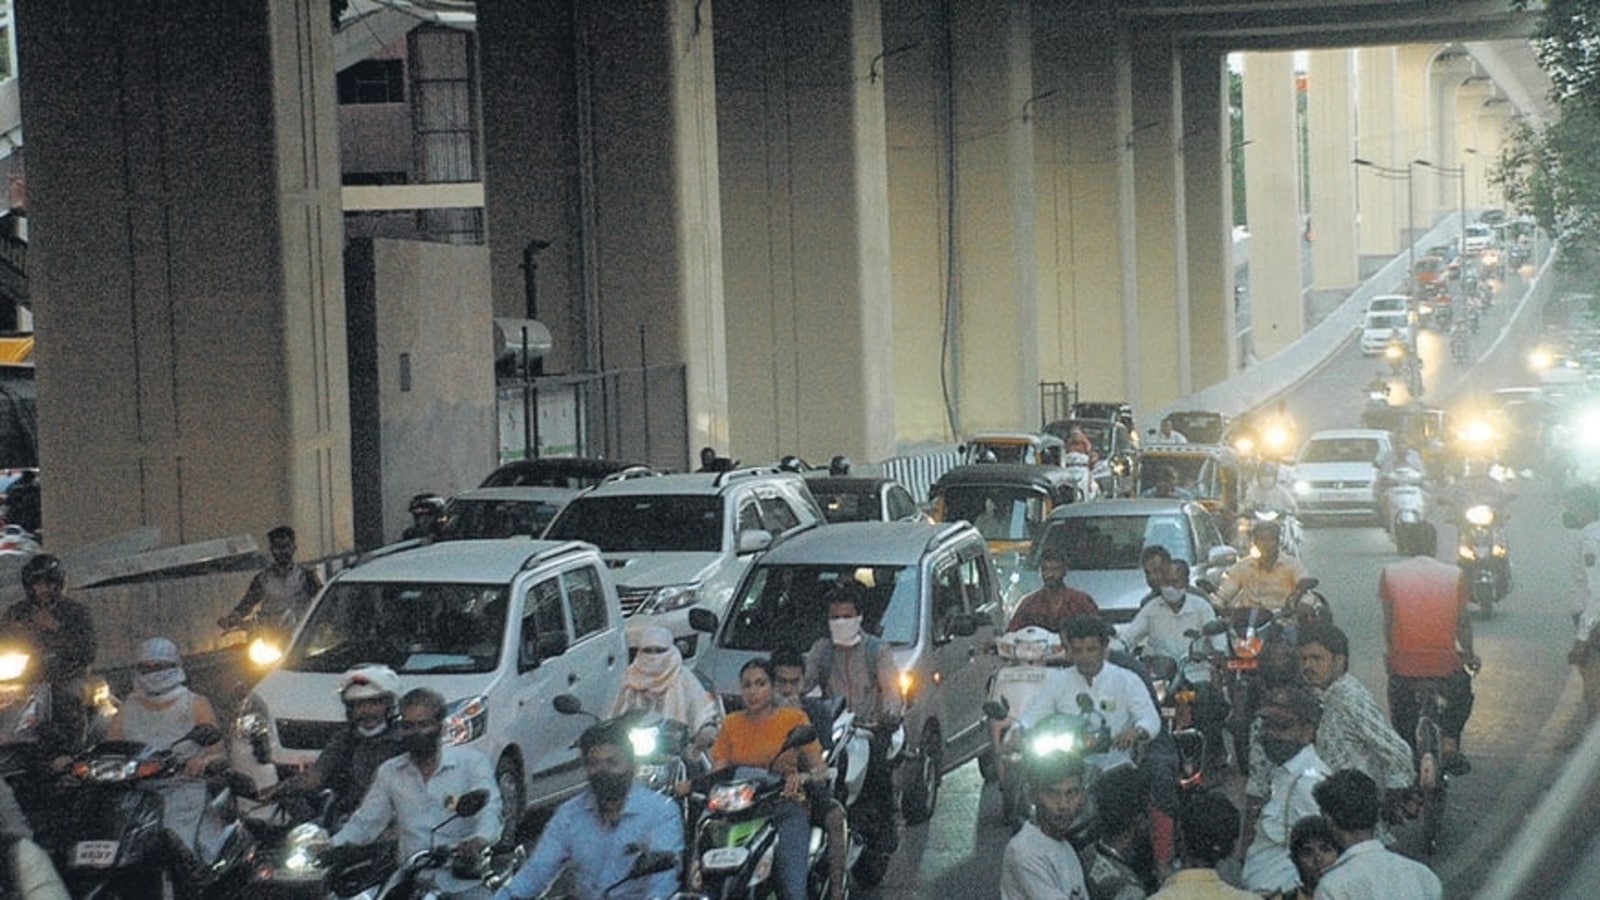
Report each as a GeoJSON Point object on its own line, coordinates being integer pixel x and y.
{"type": "Point", "coordinates": [565, 548]}
{"type": "Point", "coordinates": [748, 472]}
{"type": "Point", "coordinates": [630, 473]}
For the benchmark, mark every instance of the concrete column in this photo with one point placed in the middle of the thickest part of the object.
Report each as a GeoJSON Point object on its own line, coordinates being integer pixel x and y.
{"type": "Point", "coordinates": [1086, 204]}
{"type": "Point", "coordinates": [1469, 101]}
{"type": "Point", "coordinates": [1272, 192]}
{"type": "Point", "coordinates": [1331, 140]}
{"type": "Point", "coordinates": [1208, 207]}
{"type": "Point", "coordinates": [1492, 130]}
{"type": "Point", "coordinates": [805, 229]}
{"type": "Point", "coordinates": [1381, 203]}
{"type": "Point", "coordinates": [186, 227]}
{"type": "Point", "coordinates": [600, 137]}
{"type": "Point", "coordinates": [1415, 111]}
{"type": "Point", "coordinates": [1161, 286]}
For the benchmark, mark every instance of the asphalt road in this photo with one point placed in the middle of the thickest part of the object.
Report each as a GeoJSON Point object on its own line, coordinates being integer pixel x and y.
{"type": "Point", "coordinates": [1527, 717]}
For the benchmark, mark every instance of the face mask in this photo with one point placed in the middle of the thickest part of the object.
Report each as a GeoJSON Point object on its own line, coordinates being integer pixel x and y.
{"type": "Point", "coordinates": [373, 731]}
{"type": "Point", "coordinates": [845, 632]}
{"type": "Point", "coordinates": [610, 786]}
{"type": "Point", "coordinates": [1171, 593]}
{"type": "Point", "coordinates": [1279, 750]}
{"type": "Point", "coordinates": [1571, 520]}
{"type": "Point", "coordinates": [653, 663]}
{"type": "Point", "coordinates": [155, 684]}
{"type": "Point", "coordinates": [419, 743]}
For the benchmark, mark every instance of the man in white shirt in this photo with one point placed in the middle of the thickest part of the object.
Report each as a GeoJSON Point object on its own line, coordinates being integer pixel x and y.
{"type": "Point", "coordinates": [1365, 868]}
{"type": "Point", "coordinates": [1582, 514]}
{"type": "Point", "coordinates": [1039, 863]}
{"type": "Point", "coordinates": [1288, 727]}
{"type": "Point", "coordinates": [1164, 625]}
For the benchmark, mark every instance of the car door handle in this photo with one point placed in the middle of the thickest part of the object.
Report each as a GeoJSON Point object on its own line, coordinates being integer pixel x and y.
{"type": "Point", "coordinates": [572, 678]}
{"type": "Point", "coordinates": [611, 661]}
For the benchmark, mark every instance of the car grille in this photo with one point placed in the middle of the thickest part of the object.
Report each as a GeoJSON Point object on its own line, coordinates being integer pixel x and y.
{"type": "Point", "coordinates": [297, 734]}
{"type": "Point", "coordinates": [632, 599]}
{"type": "Point", "coordinates": [1340, 485]}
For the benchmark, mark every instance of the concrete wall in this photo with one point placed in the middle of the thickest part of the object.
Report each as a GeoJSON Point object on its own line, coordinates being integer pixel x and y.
{"type": "Point", "coordinates": [422, 365]}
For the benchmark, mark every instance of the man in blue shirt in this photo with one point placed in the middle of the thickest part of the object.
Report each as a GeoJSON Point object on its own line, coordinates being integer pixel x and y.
{"type": "Point", "coordinates": [601, 833]}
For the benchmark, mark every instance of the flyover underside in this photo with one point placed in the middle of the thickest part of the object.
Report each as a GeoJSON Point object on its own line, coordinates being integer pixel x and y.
{"type": "Point", "coordinates": [1299, 25]}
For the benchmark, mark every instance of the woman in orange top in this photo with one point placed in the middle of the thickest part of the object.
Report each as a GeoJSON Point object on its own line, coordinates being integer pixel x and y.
{"type": "Point", "coordinates": [751, 737]}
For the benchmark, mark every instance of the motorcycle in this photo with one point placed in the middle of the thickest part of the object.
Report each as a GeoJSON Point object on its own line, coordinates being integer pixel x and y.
{"type": "Point", "coordinates": [1178, 698]}
{"type": "Point", "coordinates": [872, 842]}
{"type": "Point", "coordinates": [1406, 504]}
{"type": "Point", "coordinates": [735, 837]}
{"type": "Point", "coordinates": [1460, 347]}
{"type": "Point", "coordinates": [1483, 556]}
{"type": "Point", "coordinates": [1085, 732]}
{"type": "Point", "coordinates": [1288, 534]}
{"type": "Point", "coordinates": [431, 874]}
{"type": "Point", "coordinates": [1026, 655]}
{"type": "Point", "coordinates": [18, 542]}
{"type": "Point", "coordinates": [117, 844]}
{"type": "Point", "coordinates": [660, 747]}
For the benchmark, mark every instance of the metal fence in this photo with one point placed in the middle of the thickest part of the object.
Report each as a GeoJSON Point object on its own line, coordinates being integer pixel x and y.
{"type": "Point", "coordinates": [630, 415]}
{"type": "Point", "coordinates": [920, 471]}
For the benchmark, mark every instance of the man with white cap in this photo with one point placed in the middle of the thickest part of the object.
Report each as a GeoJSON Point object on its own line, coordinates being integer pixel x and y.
{"type": "Point", "coordinates": [371, 697]}
{"type": "Point", "coordinates": [656, 681]}
{"type": "Point", "coordinates": [159, 712]}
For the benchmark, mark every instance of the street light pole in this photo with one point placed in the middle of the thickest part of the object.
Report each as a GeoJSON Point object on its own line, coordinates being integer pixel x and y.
{"type": "Point", "coordinates": [1392, 173]}
{"type": "Point", "coordinates": [1459, 173]}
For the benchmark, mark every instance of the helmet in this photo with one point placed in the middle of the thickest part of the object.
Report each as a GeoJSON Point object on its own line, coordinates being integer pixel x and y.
{"type": "Point", "coordinates": [839, 465]}
{"type": "Point", "coordinates": [424, 504]}
{"type": "Point", "coordinates": [42, 567]}
{"type": "Point", "coordinates": [791, 464]}
{"type": "Point", "coordinates": [369, 682]}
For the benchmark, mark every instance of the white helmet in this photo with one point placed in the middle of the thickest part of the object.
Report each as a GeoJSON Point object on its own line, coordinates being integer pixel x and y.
{"type": "Point", "coordinates": [369, 682]}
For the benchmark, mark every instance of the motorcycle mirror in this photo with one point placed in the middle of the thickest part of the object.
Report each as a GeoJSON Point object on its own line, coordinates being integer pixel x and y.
{"type": "Point", "coordinates": [472, 802]}
{"type": "Point", "coordinates": [997, 709]}
{"type": "Point", "coordinates": [206, 735]}
{"type": "Point", "coordinates": [1205, 585]}
{"type": "Point", "coordinates": [1306, 584]}
{"type": "Point", "coordinates": [567, 704]}
{"type": "Point", "coordinates": [1214, 628]}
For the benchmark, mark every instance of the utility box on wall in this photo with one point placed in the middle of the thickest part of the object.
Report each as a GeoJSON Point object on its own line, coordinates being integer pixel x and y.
{"type": "Point", "coordinates": [422, 390]}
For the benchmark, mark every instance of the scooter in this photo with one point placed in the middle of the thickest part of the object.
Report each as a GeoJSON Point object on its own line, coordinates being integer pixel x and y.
{"type": "Point", "coordinates": [660, 746]}
{"type": "Point", "coordinates": [1084, 733]}
{"type": "Point", "coordinates": [735, 839]}
{"type": "Point", "coordinates": [1483, 556]}
{"type": "Point", "coordinates": [117, 844]}
{"type": "Point", "coordinates": [1026, 655]}
{"type": "Point", "coordinates": [1407, 506]}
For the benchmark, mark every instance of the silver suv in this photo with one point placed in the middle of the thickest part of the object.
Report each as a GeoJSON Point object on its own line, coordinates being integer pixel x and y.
{"type": "Point", "coordinates": [496, 626]}
{"type": "Point", "coordinates": [932, 598]}
{"type": "Point", "coordinates": [680, 541]}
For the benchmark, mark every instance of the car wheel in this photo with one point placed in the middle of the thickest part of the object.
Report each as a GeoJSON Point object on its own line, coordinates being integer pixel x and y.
{"type": "Point", "coordinates": [508, 779]}
{"type": "Point", "coordinates": [922, 788]}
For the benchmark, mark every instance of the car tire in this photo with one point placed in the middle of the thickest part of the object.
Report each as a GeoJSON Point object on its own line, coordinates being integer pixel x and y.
{"type": "Point", "coordinates": [513, 793]}
{"type": "Point", "coordinates": [921, 792]}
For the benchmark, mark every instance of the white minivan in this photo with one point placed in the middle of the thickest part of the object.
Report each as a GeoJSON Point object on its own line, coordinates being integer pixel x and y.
{"type": "Point", "coordinates": [1379, 328]}
{"type": "Point", "coordinates": [498, 627]}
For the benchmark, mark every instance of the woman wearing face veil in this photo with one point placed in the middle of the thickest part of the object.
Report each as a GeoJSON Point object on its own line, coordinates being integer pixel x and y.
{"type": "Point", "coordinates": [657, 681]}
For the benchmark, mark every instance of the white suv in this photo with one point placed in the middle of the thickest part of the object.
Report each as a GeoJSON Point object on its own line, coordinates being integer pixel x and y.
{"type": "Point", "coordinates": [496, 626]}
{"type": "Point", "coordinates": [677, 541]}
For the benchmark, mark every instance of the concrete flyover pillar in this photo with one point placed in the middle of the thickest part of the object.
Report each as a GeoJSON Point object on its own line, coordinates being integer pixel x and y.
{"type": "Point", "coordinates": [1331, 144]}
{"type": "Point", "coordinates": [1208, 214]}
{"type": "Point", "coordinates": [1160, 289]}
{"type": "Point", "coordinates": [187, 236]}
{"type": "Point", "coordinates": [1272, 200]}
{"type": "Point", "coordinates": [600, 139]}
{"type": "Point", "coordinates": [1085, 184]}
{"type": "Point", "coordinates": [805, 223]}
{"type": "Point", "coordinates": [1380, 203]}
{"type": "Point", "coordinates": [1415, 110]}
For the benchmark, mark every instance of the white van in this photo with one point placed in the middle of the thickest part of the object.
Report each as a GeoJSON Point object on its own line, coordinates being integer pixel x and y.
{"type": "Point", "coordinates": [498, 627]}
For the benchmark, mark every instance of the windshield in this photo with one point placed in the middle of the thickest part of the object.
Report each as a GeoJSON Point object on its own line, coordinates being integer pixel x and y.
{"type": "Point", "coordinates": [474, 519]}
{"type": "Point", "coordinates": [999, 512]}
{"type": "Point", "coordinates": [1387, 321]}
{"type": "Point", "coordinates": [412, 628]}
{"type": "Point", "coordinates": [1004, 451]}
{"type": "Point", "coordinates": [1186, 467]}
{"type": "Point", "coordinates": [1341, 450]}
{"type": "Point", "coordinates": [1097, 543]}
{"type": "Point", "coordinates": [784, 606]}
{"type": "Point", "coordinates": [849, 506]}
{"type": "Point", "coordinates": [643, 523]}
{"type": "Point", "coordinates": [1199, 428]}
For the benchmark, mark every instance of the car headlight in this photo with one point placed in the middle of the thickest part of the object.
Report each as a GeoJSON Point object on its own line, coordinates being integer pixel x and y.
{"type": "Point", "coordinates": [264, 652]}
{"type": "Point", "coordinates": [1477, 432]}
{"type": "Point", "coordinates": [466, 720]}
{"type": "Point", "coordinates": [13, 665]}
{"type": "Point", "coordinates": [1302, 488]}
{"type": "Point", "coordinates": [1541, 359]}
{"type": "Point", "coordinates": [671, 597]}
{"type": "Point", "coordinates": [1480, 515]}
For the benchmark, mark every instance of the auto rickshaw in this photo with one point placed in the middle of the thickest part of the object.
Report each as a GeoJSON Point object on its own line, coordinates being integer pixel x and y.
{"type": "Point", "coordinates": [1006, 502]}
{"type": "Point", "coordinates": [1013, 447]}
{"type": "Point", "coordinates": [1210, 474]}
{"type": "Point", "coordinates": [1114, 456]}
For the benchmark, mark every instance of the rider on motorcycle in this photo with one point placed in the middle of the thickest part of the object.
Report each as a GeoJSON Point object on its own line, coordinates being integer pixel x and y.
{"type": "Point", "coordinates": [63, 631]}
{"type": "Point", "coordinates": [1265, 491]}
{"type": "Point", "coordinates": [347, 765]}
{"type": "Point", "coordinates": [280, 592]}
{"type": "Point", "coordinates": [425, 509]}
{"type": "Point", "coordinates": [1266, 579]}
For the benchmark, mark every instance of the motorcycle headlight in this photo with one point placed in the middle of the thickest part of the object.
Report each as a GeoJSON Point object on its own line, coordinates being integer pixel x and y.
{"type": "Point", "coordinates": [1244, 445]}
{"type": "Point", "coordinates": [301, 848]}
{"type": "Point", "coordinates": [13, 664]}
{"type": "Point", "coordinates": [1465, 552]}
{"type": "Point", "coordinates": [1480, 515]}
{"type": "Point", "coordinates": [1540, 359]}
{"type": "Point", "coordinates": [253, 717]}
{"type": "Point", "coordinates": [466, 720]}
{"type": "Point", "coordinates": [733, 797]}
{"type": "Point", "coordinates": [1478, 432]}
{"type": "Point", "coordinates": [671, 597]}
{"type": "Point", "coordinates": [265, 652]}
{"type": "Point", "coordinates": [1424, 309]}
{"type": "Point", "coordinates": [1247, 646]}
{"type": "Point", "coordinates": [1500, 550]}
{"type": "Point", "coordinates": [644, 740]}
{"type": "Point", "coordinates": [1057, 742]}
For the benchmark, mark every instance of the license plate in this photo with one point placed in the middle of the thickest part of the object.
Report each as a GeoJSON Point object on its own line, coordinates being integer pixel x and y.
{"type": "Point", "coordinates": [1237, 664]}
{"type": "Point", "coordinates": [94, 854]}
{"type": "Point", "coordinates": [719, 858]}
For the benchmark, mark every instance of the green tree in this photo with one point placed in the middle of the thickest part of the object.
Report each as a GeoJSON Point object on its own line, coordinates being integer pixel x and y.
{"type": "Point", "coordinates": [1554, 174]}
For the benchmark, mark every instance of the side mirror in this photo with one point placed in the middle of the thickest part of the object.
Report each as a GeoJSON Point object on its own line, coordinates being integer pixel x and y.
{"type": "Point", "coordinates": [1221, 556]}
{"type": "Point", "coordinates": [471, 803]}
{"type": "Point", "coordinates": [962, 625]}
{"type": "Point", "coordinates": [753, 540]}
{"type": "Point", "coordinates": [702, 619]}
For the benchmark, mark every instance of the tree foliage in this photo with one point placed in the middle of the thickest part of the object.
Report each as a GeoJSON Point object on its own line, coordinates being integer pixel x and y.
{"type": "Point", "coordinates": [1553, 174]}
